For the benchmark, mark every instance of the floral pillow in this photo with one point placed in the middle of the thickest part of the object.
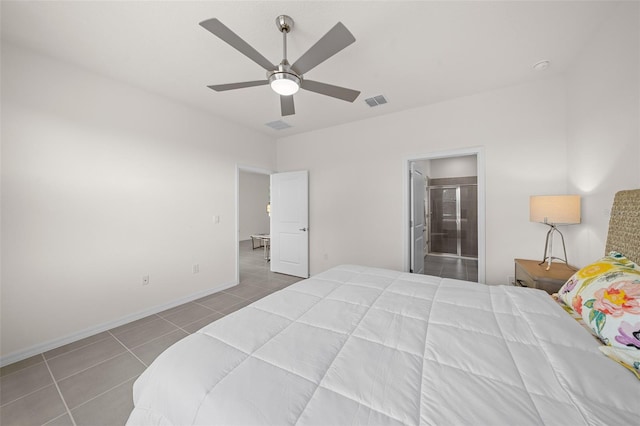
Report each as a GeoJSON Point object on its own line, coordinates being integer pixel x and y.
{"type": "Point", "coordinates": [607, 296]}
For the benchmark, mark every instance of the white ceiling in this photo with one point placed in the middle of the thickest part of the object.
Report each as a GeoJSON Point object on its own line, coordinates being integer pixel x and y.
{"type": "Point", "coordinates": [415, 53]}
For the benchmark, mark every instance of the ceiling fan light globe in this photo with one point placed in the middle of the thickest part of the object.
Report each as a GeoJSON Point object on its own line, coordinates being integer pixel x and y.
{"type": "Point", "coordinates": [284, 84]}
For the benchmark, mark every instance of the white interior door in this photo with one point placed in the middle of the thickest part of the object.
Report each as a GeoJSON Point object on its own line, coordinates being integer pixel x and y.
{"type": "Point", "coordinates": [290, 223]}
{"type": "Point", "coordinates": [417, 222]}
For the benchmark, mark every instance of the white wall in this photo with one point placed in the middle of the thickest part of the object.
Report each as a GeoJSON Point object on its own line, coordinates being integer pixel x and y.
{"type": "Point", "coordinates": [103, 183]}
{"type": "Point", "coordinates": [603, 103]}
{"type": "Point", "coordinates": [356, 181]}
{"type": "Point", "coordinates": [253, 199]}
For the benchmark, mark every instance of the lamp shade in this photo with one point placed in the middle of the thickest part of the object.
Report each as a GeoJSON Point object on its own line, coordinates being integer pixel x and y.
{"type": "Point", "coordinates": [555, 209]}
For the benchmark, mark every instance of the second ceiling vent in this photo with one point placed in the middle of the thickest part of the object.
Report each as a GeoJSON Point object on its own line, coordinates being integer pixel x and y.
{"type": "Point", "coordinates": [376, 100]}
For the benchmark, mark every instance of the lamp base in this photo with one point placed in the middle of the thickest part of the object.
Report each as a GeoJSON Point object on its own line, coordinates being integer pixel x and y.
{"type": "Point", "coordinates": [548, 248]}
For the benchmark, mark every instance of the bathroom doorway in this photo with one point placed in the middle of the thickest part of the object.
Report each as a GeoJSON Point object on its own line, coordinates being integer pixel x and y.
{"type": "Point", "coordinates": [453, 214]}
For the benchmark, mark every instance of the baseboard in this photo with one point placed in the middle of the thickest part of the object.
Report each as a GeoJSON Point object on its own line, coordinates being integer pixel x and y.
{"type": "Point", "coordinates": [56, 343]}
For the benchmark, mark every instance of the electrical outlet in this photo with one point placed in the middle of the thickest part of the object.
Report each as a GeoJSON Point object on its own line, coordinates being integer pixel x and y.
{"type": "Point", "coordinates": [196, 268]}
{"type": "Point", "coordinates": [145, 279]}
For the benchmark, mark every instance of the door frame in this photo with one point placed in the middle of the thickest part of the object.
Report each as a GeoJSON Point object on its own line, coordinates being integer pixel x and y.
{"type": "Point", "coordinates": [248, 169]}
{"type": "Point", "coordinates": [406, 201]}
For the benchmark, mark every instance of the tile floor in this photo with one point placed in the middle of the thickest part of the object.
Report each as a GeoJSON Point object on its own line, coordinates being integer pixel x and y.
{"type": "Point", "coordinates": [451, 267]}
{"type": "Point", "coordinates": [89, 382]}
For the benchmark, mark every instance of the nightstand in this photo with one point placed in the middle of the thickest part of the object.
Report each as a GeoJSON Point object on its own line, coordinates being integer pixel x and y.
{"type": "Point", "coordinates": [529, 273]}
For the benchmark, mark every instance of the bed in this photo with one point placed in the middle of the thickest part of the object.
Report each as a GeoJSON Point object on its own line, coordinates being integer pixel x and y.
{"type": "Point", "coordinates": [361, 345]}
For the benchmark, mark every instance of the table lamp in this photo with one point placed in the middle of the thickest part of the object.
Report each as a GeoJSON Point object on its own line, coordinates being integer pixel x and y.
{"type": "Point", "coordinates": [554, 210]}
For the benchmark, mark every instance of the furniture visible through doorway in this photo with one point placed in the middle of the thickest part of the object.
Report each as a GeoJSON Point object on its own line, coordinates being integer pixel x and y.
{"type": "Point", "coordinates": [262, 240]}
{"type": "Point", "coordinates": [266, 243]}
{"type": "Point", "coordinates": [257, 239]}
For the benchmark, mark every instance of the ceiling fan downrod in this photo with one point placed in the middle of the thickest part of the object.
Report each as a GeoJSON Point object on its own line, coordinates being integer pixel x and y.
{"type": "Point", "coordinates": [284, 24]}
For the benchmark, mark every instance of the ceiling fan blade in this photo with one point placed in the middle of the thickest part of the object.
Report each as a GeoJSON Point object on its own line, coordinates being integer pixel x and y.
{"type": "Point", "coordinates": [345, 94]}
{"type": "Point", "coordinates": [286, 105]}
{"type": "Point", "coordinates": [232, 86]}
{"type": "Point", "coordinates": [331, 43]}
{"type": "Point", "coordinates": [217, 28]}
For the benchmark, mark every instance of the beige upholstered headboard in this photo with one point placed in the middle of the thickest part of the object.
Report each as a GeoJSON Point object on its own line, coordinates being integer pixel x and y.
{"type": "Point", "coordinates": [624, 225]}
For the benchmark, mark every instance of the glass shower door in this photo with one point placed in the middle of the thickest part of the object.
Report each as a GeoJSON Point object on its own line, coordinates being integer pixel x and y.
{"type": "Point", "coordinates": [468, 220]}
{"type": "Point", "coordinates": [443, 226]}
{"type": "Point", "coordinates": [453, 220]}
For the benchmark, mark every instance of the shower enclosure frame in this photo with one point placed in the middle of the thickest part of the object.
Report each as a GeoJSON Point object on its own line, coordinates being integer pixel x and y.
{"type": "Point", "coordinates": [458, 220]}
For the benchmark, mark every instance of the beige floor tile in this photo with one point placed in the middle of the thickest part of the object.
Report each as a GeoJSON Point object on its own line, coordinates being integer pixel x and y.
{"type": "Point", "coordinates": [145, 332]}
{"type": "Point", "coordinates": [173, 310]}
{"type": "Point", "coordinates": [34, 409]}
{"type": "Point", "coordinates": [23, 382]}
{"type": "Point", "coordinates": [75, 345]}
{"type": "Point", "coordinates": [273, 284]}
{"type": "Point", "coordinates": [251, 278]}
{"type": "Point", "coordinates": [197, 325]}
{"type": "Point", "coordinates": [220, 301]}
{"type": "Point", "coordinates": [63, 420]}
{"type": "Point", "coordinates": [72, 362]}
{"type": "Point", "coordinates": [17, 366]}
{"type": "Point", "coordinates": [109, 409]}
{"type": "Point", "coordinates": [90, 383]}
{"type": "Point", "coordinates": [246, 291]}
{"type": "Point", "coordinates": [229, 309]}
{"type": "Point", "coordinates": [265, 282]}
{"type": "Point", "coordinates": [193, 312]}
{"type": "Point", "coordinates": [150, 350]}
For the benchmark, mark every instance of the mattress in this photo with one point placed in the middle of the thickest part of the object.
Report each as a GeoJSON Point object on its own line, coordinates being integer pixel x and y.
{"type": "Point", "coordinates": [360, 345]}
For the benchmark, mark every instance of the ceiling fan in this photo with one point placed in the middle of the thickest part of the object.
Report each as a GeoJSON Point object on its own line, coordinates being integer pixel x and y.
{"type": "Point", "coordinates": [286, 79]}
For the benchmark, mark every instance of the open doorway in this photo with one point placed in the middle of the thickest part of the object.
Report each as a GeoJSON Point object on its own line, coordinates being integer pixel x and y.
{"type": "Point", "coordinates": [252, 198]}
{"type": "Point", "coordinates": [452, 207]}
{"type": "Point", "coordinates": [452, 243]}
{"type": "Point", "coordinates": [253, 270]}
{"type": "Point", "coordinates": [268, 204]}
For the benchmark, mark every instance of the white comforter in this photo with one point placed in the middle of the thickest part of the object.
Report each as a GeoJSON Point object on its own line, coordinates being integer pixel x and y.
{"type": "Point", "coordinates": [357, 345]}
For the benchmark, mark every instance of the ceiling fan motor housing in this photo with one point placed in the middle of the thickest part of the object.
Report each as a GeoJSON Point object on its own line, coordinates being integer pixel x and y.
{"type": "Point", "coordinates": [284, 81]}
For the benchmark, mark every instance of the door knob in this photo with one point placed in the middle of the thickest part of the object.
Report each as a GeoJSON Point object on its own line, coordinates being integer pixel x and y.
{"type": "Point", "coordinates": [303, 229]}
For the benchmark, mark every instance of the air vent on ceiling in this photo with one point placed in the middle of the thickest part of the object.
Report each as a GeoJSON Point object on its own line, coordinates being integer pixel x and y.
{"type": "Point", "coordinates": [376, 100]}
{"type": "Point", "coordinates": [278, 125]}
